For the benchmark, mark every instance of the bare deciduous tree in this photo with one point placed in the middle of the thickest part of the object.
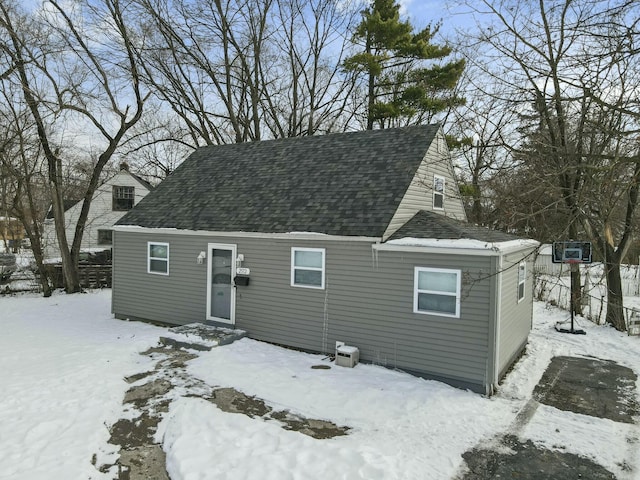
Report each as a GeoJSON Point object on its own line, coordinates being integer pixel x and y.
{"type": "Point", "coordinates": [577, 98]}
{"type": "Point", "coordinates": [74, 64]}
{"type": "Point", "coordinates": [242, 70]}
{"type": "Point", "coordinates": [23, 177]}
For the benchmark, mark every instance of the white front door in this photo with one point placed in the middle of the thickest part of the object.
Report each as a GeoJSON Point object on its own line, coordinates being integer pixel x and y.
{"type": "Point", "coordinates": [221, 292]}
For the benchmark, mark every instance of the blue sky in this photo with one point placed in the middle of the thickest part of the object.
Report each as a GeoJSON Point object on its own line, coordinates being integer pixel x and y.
{"type": "Point", "coordinates": [422, 12]}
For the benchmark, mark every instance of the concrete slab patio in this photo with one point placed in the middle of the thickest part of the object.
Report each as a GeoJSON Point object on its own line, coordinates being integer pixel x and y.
{"type": "Point", "coordinates": [586, 386]}
{"type": "Point", "coordinates": [590, 386]}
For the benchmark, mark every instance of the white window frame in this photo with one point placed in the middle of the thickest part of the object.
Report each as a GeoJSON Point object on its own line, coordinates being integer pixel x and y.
{"type": "Point", "coordinates": [435, 192]}
{"type": "Point", "coordinates": [123, 192]}
{"type": "Point", "coordinates": [417, 291]}
{"type": "Point", "coordinates": [149, 258]}
{"type": "Point", "coordinates": [522, 266]}
{"type": "Point", "coordinates": [294, 268]}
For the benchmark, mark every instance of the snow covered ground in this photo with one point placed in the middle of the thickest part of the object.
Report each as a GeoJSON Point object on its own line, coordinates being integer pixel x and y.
{"type": "Point", "coordinates": [63, 361]}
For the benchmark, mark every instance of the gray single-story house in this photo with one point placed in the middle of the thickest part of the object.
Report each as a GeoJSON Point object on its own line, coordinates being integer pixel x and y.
{"type": "Point", "coordinates": [355, 237]}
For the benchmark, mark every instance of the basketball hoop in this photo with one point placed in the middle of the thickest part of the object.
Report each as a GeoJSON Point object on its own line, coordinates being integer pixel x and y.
{"type": "Point", "coordinates": [573, 253]}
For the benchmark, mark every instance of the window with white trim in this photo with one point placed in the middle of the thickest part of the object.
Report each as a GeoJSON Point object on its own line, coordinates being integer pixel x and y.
{"type": "Point", "coordinates": [307, 267]}
{"type": "Point", "coordinates": [158, 258]}
{"type": "Point", "coordinates": [123, 198]}
{"type": "Point", "coordinates": [436, 291]}
{"type": "Point", "coordinates": [438, 192]}
{"type": "Point", "coordinates": [522, 279]}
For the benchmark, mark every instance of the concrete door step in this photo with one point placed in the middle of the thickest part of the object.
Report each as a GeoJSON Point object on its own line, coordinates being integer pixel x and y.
{"type": "Point", "coordinates": [201, 337]}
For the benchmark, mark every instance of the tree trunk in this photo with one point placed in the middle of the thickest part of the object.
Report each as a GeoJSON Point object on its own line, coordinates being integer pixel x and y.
{"type": "Point", "coordinates": [576, 290]}
{"type": "Point", "coordinates": [43, 274]}
{"type": "Point", "coordinates": [476, 207]}
{"type": "Point", "coordinates": [69, 267]}
{"type": "Point", "coordinates": [615, 310]}
{"type": "Point", "coordinates": [576, 281]}
{"type": "Point", "coordinates": [371, 89]}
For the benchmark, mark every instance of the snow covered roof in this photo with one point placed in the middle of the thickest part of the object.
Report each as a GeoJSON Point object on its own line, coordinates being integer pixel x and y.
{"type": "Point", "coordinates": [431, 225]}
{"type": "Point", "coordinates": [464, 244]}
{"type": "Point", "coordinates": [429, 230]}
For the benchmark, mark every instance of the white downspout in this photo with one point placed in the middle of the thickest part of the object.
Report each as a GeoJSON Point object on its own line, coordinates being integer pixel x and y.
{"type": "Point", "coordinates": [496, 347]}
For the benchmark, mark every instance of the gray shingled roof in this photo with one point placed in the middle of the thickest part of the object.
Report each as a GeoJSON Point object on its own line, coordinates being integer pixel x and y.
{"type": "Point", "coordinates": [338, 184]}
{"type": "Point", "coordinates": [142, 181]}
{"type": "Point", "coordinates": [426, 224]}
{"type": "Point", "coordinates": [66, 205]}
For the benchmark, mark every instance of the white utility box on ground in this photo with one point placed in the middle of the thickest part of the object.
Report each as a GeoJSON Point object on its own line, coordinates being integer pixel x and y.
{"type": "Point", "coordinates": [346, 356]}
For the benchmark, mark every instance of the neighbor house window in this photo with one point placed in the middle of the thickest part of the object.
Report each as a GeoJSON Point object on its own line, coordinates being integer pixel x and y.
{"type": "Point", "coordinates": [158, 258]}
{"type": "Point", "coordinates": [438, 192]}
{"type": "Point", "coordinates": [123, 198]}
{"type": "Point", "coordinates": [522, 278]}
{"type": "Point", "coordinates": [105, 237]}
{"type": "Point", "coordinates": [437, 291]}
{"type": "Point", "coordinates": [307, 267]}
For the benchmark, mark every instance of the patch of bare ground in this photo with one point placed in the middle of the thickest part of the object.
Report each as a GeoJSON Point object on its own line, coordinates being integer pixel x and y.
{"type": "Point", "coordinates": [232, 401]}
{"type": "Point", "coordinates": [140, 457]}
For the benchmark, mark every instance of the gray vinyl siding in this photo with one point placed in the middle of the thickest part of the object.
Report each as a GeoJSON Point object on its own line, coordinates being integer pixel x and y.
{"type": "Point", "coordinates": [419, 195]}
{"type": "Point", "coordinates": [367, 302]}
{"type": "Point", "coordinates": [178, 298]}
{"type": "Point", "coordinates": [515, 317]}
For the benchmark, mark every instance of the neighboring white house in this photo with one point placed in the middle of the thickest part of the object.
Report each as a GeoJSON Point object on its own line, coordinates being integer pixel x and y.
{"type": "Point", "coordinates": [111, 201]}
{"type": "Point", "coordinates": [544, 263]}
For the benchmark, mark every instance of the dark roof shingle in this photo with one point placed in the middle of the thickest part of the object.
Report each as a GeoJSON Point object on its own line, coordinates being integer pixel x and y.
{"type": "Point", "coordinates": [337, 184]}
{"type": "Point", "coordinates": [426, 224]}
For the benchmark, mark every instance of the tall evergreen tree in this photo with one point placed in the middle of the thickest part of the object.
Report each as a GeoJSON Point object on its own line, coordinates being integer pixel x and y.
{"type": "Point", "coordinates": [400, 84]}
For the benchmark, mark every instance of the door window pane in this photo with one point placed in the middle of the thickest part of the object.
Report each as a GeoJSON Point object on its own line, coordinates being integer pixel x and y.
{"type": "Point", "coordinates": [221, 260]}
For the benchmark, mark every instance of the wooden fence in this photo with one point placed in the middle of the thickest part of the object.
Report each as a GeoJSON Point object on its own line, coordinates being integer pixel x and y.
{"type": "Point", "coordinates": [91, 276]}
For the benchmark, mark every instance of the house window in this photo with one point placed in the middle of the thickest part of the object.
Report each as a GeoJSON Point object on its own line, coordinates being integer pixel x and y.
{"type": "Point", "coordinates": [158, 258]}
{"type": "Point", "coordinates": [438, 192]}
{"type": "Point", "coordinates": [522, 278]}
{"type": "Point", "coordinates": [437, 291]}
{"type": "Point", "coordinates": [123, 198]}
{"type": "Point", "coordinates": [105, 237]}
{"type": "Point", "coordinates": [307, 267]}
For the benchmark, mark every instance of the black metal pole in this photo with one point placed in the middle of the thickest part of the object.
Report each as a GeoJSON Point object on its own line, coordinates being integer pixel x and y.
{"type": "Point", "coordinates": [572, 303]}
{"type": "Point", "coordinates": [572, 308]}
